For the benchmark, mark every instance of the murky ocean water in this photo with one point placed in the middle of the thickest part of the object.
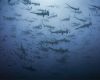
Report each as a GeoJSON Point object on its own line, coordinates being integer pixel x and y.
{"type": "Point", "coordinates": [49, 39]}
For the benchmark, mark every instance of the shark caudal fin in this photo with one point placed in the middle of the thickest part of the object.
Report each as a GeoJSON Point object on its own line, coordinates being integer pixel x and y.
{"type": "Point", "coordinates": [48, 13]}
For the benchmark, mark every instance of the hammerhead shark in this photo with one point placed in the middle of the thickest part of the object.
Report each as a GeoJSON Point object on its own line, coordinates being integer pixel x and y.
{"type": "Point", "coordinates": [12, 2]}
{"type": "Point", "coordinates": [60, 31]}
{"type": "Point", "coordinates": [49, 26]}
{"type": "Point", "coordinates": [30, 68]}
{"type": "Point", "coordinates": [63, 40]}
{"type": "Point", "coordinates": [60, 50]}
{"type": "Point", "coordinates": [76, 9]}
{"type": "Point", "coordinates": [85, 25]}
{"type": "Point", "coordinates": [66, 19]}
{"type": "Point", "coordinates": [97, 7]}
{"type": "Point", "coordinates": [80, 19]}
{"type": "Point", "coordinates": [42, 13]}
{"type": "Point", "coordinates": [50, 42]}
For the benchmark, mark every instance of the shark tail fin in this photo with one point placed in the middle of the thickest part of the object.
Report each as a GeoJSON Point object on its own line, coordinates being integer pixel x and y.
{"type": "Point", "coordinates": [48, 13]}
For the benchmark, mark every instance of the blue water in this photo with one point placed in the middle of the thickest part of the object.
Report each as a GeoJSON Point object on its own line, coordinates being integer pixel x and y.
{"type": "Point", "coordinates": [31, 48]}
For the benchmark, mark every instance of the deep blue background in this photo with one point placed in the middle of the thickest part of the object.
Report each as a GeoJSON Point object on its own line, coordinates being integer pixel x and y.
{"type": "Point", "coordinates": [18, 32]}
